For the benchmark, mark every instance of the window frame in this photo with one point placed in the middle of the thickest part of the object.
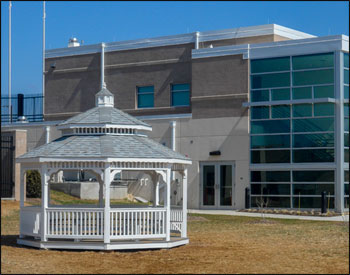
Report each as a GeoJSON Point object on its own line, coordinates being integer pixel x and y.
{"type": "Point", "coordinates": [171, 94]}
{"type": "Point", "coordinates": [137, 97]}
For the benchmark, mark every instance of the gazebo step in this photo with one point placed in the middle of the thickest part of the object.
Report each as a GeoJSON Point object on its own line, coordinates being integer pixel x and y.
{"type": "Point", "coordinates": [99, 245]}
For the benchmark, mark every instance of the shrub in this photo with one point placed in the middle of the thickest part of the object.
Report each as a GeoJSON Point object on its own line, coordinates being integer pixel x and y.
{"type": "Point", "coordinates": [33, 184]}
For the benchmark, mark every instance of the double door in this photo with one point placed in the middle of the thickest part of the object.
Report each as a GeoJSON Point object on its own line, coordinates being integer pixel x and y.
{"type": "Point", "coordinates": [217, 185]}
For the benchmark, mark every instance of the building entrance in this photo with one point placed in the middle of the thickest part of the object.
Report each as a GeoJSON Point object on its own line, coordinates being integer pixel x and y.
{"type": "Point", "coordinates": [217, 185]}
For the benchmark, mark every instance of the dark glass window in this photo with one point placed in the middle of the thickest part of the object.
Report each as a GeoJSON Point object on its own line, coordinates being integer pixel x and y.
{"type": "Point", "coordinates": [302, 110]}
{"type": "Point", "coordinates": [313, 77]}
{"type": "Point", "coordinates": [346, 92]}
{"type": "Point", "coordinates": [270, 189]}
{"type": "Point", "coordinates": [346, 60]}
{"type": "Point", "coordinates": [302, 93]}
{"type": "Point", "coordinates": [313, 125]}
{"type": "Point", "coordinates": [271, 141]}
{"type": "Point", "coordinates": [346, 109]}
{"type": "Point", "coordinates": [346, 124]}
{"type": "Point", "coordinates": [311, 202]}
{"type": "Point", "coordinates": [346, 139]}
{"type": "Point", "coordinates": [312, 189]}
{"type": "Point", "coordinates": [346, 76]}
{"type": "Point", "coordinates": [313, 155]}
{"type": "Point", "coordinates": [313, 176]}
{"type": "Point", "coordinates": [145, 97]}
{"type": "Point", "coordinates": [270, 80]}
{"type": "Point", "coordinates": [280, 111]}
{"type": "Point", "coordinates": [346, 189]}
{"type": "Point", "coordinates": [273, 156]}
{"type": "Point", "coordinates": [313, 61]}
{"type": "Point", "coordinates": [346, 155]}
{"type": "Point", "coordinates": [324, 109]}
{"type": "Point", "coordinates": [260, 112]}
{"type": "Point", "coordinates": [313, 140]}
{"type": "Point", "coordinates": [324, 91]}
{"type": "Point", "coordinates": [259, 95]}
{"type": "Point", "coordinates": [270, 65]}
{"type": "Point", "coordinates": [225, 185]}
{"type": "Point", "coordinates": [270, 176]}
{"type": "Point", "coordinates": [278, 202]}
{"type": "Point", "coordinates": [270, 126]}
{"type": "Point", "coordinates": [180, 95]}
{"type": "Point", "coordinates": [280, 94]}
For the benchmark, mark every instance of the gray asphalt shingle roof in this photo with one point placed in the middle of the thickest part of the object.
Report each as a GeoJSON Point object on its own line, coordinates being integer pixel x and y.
{"type": "Point", "coordinates": [108, 115]}
{"type": "Point", "coordinates": [114, 146]}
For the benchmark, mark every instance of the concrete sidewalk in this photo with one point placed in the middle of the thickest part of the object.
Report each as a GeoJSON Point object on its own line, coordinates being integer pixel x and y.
{"type": "Point", "coordinates": [344, 218]}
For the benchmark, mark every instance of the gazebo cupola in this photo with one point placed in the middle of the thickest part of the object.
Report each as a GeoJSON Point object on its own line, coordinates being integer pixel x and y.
{"type": "Point", "coordinates": [105, 141]}
{"type": "Point", "coordinates": [104, 98]}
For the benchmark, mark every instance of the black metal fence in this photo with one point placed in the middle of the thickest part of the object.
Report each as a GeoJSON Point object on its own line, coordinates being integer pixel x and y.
{"type": "Point", "coordinates": [32, 108]}
{"type": "Point", "coordinates": [7, 161]}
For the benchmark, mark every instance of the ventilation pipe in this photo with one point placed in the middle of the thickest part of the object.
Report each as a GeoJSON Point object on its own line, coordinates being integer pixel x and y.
{"type": "Point", "coordinates": [197, 40]}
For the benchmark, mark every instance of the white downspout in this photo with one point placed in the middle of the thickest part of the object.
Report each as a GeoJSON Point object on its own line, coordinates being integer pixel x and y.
{"type": "Point", "coordinates": [47, 128]}
{"type": "Point", "coordinates": [103, 65]}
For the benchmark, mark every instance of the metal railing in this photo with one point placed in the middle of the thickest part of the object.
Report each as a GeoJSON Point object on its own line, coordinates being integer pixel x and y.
{"type": "Point", "coordinates": [32, 108]}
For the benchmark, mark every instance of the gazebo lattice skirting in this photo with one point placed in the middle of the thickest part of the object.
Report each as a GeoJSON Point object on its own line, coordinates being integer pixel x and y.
{"type": "Point", "coordinates": [105, 141]}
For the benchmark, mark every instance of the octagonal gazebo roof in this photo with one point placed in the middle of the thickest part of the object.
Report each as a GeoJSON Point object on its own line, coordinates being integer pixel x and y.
{"type": "Point", "coordinates": [104, 132]}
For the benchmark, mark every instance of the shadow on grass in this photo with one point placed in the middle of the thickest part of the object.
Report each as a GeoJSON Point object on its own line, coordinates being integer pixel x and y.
{"type": "Point", "coordinates": [10, 240]}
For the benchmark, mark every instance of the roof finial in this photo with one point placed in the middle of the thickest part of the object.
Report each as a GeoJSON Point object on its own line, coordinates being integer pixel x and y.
{"type": "Point", "coordinates": [104, 86]}
{"type": "Point", "coordinates": [104, 97]}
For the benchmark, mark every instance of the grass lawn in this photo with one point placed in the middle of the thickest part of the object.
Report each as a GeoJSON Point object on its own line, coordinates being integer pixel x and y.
{"type": "Point", "coordinates": [218, 244]}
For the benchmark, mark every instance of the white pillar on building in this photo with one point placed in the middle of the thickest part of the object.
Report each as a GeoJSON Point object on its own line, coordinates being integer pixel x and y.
{"type": "Point", "coordinates": [339, 131]}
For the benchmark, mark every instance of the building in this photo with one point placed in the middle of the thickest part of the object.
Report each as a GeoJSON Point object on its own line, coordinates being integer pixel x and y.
{"type": "Point", "coordinates": [264, 107]}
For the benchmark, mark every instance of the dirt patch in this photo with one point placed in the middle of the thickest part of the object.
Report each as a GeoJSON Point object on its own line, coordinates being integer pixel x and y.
{"type": "Point", "coordinates": [196, 218]}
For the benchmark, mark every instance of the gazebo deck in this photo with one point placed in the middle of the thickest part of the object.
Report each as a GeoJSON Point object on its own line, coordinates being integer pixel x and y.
{"type": "Point", "coordinates": [100, 245]}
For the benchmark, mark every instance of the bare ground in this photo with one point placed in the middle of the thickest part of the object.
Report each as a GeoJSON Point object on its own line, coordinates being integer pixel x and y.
{"type": "Point", "coordinates": [218, 244]}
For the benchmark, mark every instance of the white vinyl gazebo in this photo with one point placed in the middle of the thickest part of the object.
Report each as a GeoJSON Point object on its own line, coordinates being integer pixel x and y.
{"type": "Point", "coordinates": [104, 141]}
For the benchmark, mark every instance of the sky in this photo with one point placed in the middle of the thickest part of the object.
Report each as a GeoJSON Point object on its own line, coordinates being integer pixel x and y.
{"type": "Point", "coordinates": [108, 21]}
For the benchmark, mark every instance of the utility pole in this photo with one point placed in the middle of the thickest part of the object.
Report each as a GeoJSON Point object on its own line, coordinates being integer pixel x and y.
{"type": "Point", "coordinates": [43, 61]}
{"type": "Point", "coordinates": [10, 105]}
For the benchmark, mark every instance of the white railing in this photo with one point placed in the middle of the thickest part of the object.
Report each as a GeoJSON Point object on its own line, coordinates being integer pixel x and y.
{"type": "Point", "coordinates": [137, 223]}
{"type": "Point", "coordinates": [30, 221]}
{"type": "Point", "coordinates": [75, 223]}
{"type": "Point", "coordinates": [176, 219]}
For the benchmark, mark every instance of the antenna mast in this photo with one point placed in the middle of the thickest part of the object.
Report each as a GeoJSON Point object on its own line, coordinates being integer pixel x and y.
{"type": "Point", "coordinates": [10, 105]}
{"type": "Point", "coordinates": [43, 76]}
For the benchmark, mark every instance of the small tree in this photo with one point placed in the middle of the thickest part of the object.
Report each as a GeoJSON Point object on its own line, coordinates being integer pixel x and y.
{"type": "Point", "coordinates": [262, 203]}
{"type": "Point", "coordinates": [33, 179]}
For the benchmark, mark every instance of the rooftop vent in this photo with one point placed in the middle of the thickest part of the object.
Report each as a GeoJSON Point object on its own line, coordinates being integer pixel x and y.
{"type": "Point", "coordinates": [73, 42]}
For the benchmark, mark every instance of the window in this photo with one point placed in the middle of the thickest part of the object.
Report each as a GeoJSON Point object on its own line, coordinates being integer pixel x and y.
{"type": "Point", "coordinates": [313, 77]}
{"type": "Point", "coordinates": [270, 126]}
{"type": "Point", "coordinates": [270, 80]}
{"type": "Point", "coordinates": [270, 65]}
{"type": "Point", "coordinates": [280, 111]}
{"type": "Point", "coordinates": [270, 176]}
{"type": "Point", "coordinates": [270, 141]}
{"type": "Point", "coordinates": [259, 95]}
{"type": "Point", "coordinates": [180, 95]}
{"type": "Point", "coordinates": [324, 91]}
{"type": "Point", "coordinates": [280, 94]}
{"type": "Point", "coordinates": [260, 112]}
{"type": "Point", "coordinates": [313, 61]}
{"type": "Point", "coordinates": [145, 97]}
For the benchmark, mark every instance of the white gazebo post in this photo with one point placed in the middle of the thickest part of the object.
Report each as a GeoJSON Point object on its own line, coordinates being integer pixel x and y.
{"type": "Point", "coordinates": [167, 204]}
{"type": "Point", "coordinates": [156, 190]}
{"type": "Point", "coordinates": [107, 183]}
{"type": "Point", "coordinates": [44, 201]}
{"type": "Point", "coordinates": [184, 204]}
{"type": "Point", "coordinates": [100, 193]}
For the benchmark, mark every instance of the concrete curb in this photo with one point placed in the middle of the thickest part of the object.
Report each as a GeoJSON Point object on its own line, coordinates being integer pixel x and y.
{"type": "Point", "coordinates": [343, 218]}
